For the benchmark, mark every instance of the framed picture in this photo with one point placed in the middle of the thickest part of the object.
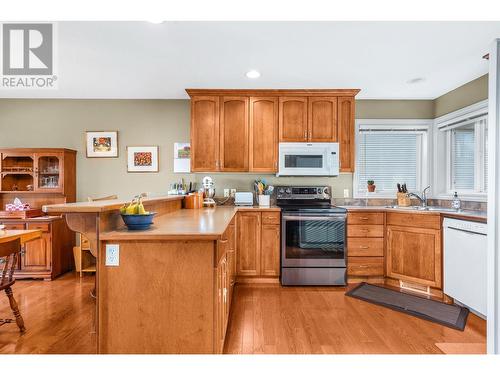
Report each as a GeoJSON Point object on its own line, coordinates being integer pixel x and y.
{"type": "Point", "coordinates": [142, 159]}
{"type": "Point", "coordinates": [102, 144]}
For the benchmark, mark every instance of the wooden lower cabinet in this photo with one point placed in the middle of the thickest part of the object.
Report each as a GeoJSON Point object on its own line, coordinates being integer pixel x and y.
{"type": "Point", "coordinates": [270, 250]}
{"type": "Point", "coordinates": [365, 245]}
{"type": "Point", "coordinates": [258, 244]}
{"type": "Point", "coordinates": [48, 256]}
{"type": "Point", "coordinates": [414, 255]}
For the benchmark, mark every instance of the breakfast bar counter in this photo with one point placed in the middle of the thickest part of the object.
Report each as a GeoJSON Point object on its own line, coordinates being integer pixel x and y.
{"type": "Point", "coordinates": [165, 289]}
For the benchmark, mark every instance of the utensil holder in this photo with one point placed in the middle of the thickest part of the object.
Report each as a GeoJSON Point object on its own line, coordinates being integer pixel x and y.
{"type": "Point", "coordinates": [264, 200]}
{"type": "Point", "coordinates": [403, 200]}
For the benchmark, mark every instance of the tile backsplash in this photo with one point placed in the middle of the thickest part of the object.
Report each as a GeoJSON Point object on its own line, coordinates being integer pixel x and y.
{"type": "Point", "coordinates": [465, 205]}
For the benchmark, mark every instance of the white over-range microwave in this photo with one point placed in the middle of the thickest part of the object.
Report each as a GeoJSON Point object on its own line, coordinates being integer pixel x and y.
{"type": "Point", "coordinates": [308, 159]}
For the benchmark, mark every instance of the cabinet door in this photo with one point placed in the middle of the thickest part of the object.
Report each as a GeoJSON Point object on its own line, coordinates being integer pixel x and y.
{"type": "Point", "coordinates": [346, 133]}
{"type": "Point", "coordinates": [293, 119]}
{"type": "Point", "coordinates": [234, 134]}
{"type": "Point", "coordinates": [37, 253]}
{"type": "Point", "coordinates": [270, 251]}
{"type": "Point", "coordinates": [248, 251]}
{"type": "Point", "coordinates": [414, 254]}
{"type": "Point", "coordinates": [219, 307]}
{"type": "Point", "coordinates": [204, 133]}
{"type": "Point", "coordinates": [322, 119]}
{"type": "Point", "coordinates": [263, 139]}
{"type": "Point", "coordinates": [49, 172]}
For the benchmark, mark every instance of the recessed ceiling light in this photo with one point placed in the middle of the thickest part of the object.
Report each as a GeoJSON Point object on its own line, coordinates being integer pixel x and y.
{"type": "Point", "coordinates": [416, 80]}
{"type": "Point", "coordinates": [252, 74]}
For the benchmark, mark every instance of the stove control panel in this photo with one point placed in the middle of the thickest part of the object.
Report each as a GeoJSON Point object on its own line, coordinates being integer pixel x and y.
{"type": "Point", "coordinates": [303, 192]}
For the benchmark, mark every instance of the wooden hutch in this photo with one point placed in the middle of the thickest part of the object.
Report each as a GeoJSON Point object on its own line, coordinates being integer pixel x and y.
{"type": "Point", "coordinates": [40, 176]}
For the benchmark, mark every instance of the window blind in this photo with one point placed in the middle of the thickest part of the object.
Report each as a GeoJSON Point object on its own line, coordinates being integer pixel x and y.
{"type": "Point", "coordinates": [463, 141]}
{"type": "Point", "coordinates": [388, 157]}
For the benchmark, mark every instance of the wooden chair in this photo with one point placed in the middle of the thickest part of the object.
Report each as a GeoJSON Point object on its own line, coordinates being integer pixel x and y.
{"type": "Point", "coordinates": [8, 259]}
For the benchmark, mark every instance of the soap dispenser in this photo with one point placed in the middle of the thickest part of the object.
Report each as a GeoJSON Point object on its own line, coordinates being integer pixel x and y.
{"type": "Point", "coordinates": [455, 203]}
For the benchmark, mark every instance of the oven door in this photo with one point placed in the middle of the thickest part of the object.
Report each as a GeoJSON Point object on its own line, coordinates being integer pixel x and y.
{"type": "Point", "coordinates": [313, 241]}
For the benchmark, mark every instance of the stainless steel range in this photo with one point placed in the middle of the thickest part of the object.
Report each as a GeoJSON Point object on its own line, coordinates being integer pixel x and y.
{"type": "Point", "coordinates": [313, 236]}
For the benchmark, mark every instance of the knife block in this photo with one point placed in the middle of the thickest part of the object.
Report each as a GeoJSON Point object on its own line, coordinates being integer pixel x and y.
{"type": "Point", "coordinates": [403, 200]}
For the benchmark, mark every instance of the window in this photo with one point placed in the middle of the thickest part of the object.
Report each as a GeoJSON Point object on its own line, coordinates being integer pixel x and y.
{"type": "Point", "coordinates": [390, 152]}
{"type": "Point", "coordinates": [467, 156]}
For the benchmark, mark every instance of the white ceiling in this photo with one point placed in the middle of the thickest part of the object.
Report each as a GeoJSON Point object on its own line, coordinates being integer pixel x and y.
{"type": "Point", "coordinates": [146, 60]}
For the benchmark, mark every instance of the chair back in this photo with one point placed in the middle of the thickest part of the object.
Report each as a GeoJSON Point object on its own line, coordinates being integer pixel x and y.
{"type": "Point", "coordinates": [8, 261]}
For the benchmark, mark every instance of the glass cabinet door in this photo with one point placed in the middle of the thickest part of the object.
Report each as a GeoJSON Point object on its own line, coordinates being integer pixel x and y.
{"type": "Point", "coordinates": [48, 172]}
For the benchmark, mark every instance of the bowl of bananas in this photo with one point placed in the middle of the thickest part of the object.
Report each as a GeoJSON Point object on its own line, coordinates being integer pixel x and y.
{"type": "Point", "coordinates": [135, 216]}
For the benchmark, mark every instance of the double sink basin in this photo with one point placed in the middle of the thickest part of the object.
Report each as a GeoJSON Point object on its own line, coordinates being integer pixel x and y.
{"type": "Point", "coordinates": [428, 208]}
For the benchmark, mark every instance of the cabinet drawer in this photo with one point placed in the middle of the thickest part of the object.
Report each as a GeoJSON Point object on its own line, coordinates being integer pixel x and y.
{"type": "Point", "coordinates": [14, 226]}
{"type": "Point", "coordinates": [419, 220]}
{"type": "Point", "coordinates": [44, 227]}
{"type": "Point", "coordinates": [270, 217]}
{"type": "Point", "coordinates": [365, 230]}
{"type": "Point", "coordinates": [362, 247]}
{"type": "Point", "coordinates": [365, 266]}
{"type": "Point", "coordinates": [370, 218]}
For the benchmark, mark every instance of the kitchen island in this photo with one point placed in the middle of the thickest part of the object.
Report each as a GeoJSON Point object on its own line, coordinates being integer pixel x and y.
{"type": "Point", "coordinates": [170, 290]}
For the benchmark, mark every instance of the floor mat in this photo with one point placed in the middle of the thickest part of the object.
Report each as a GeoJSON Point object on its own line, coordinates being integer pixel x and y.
{"type": "Point", "coordinates": [452, 316]}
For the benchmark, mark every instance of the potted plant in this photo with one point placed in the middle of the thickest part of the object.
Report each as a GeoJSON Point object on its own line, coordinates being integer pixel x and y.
{"type": "Point", "coordinates": [371, 186]}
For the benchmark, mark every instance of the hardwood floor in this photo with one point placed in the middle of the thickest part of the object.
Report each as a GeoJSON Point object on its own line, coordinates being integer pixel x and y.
{"type": "Point", "coordinates": [59, 317]}
{"type": "Point", "coordinates": [270, 319]}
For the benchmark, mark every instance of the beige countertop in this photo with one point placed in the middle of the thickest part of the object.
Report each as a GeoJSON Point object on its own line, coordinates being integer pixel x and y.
{"type": "Point", "coordinates": [186, 224]}
{"type": "Point", "coordinates": [463, 214]}
{"type": "Point", "coordinates": [102, 206]}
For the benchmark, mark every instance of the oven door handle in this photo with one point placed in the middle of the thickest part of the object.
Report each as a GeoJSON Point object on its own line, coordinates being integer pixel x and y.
{"type": "Point", "coordinates": [315, 218]}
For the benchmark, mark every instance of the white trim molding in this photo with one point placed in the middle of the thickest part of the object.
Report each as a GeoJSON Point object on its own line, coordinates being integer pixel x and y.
{"type": "Point", "coordinates": [493, 321]}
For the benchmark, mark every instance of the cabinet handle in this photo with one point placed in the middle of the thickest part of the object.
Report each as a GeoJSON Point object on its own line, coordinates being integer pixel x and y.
{"type": "Point", "coordinates": [363, 218]}
{"type": "Point", "coordinates": [305, 134]}
{"type": "Point", "coordinates": [310, 134]}
{"type": "Point", "coordinates": [362, 266]}
{"type": "Point", "coordinates": [363, 247]}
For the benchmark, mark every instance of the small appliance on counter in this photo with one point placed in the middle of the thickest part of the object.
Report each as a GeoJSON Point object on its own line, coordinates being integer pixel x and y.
{"type": "Point", "coordinates": [243, 198]}
{"type": "Point", "coordinates": [208, 191]}
{"type": "Point", "coordinates": [313, 236]}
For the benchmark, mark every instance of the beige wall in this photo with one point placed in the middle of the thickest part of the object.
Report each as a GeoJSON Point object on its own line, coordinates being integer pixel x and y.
{"type": "Point", "coordinates": [62, 123]}
{"type": "Point", "coordinates": [463, 96]}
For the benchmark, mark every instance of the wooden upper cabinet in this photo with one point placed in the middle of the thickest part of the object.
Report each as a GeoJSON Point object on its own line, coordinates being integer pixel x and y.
{"type": "Point", "coordinates": [204, 133]}
{"type": "Point", "coordinates": [263, 138]}
{"type": "Point", "coordinates": [234, 134]}
{"type": "Point", "coordinates": [293, 119]}
{"type": "Point", "coordinates": [346, 133]}
{"type": "Point", "coordinates": [322, 119]}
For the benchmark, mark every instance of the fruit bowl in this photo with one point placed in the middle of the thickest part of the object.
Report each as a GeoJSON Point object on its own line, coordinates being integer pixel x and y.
{"type": "Point", "coordinates": [138, 221]}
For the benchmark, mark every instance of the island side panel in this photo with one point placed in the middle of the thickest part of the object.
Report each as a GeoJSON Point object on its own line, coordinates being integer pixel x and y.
{"type": "Point", "coordinates": [160, 299]}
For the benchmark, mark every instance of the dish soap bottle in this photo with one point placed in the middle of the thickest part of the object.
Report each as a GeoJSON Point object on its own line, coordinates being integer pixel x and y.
{"type": "Point", "coordinates": [455, 203]}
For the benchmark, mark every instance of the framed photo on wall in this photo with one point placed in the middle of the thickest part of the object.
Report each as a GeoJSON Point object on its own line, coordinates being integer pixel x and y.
{"type": "Point", "coordinates": [102, 144]}
{"type": "Point", "coordinates": [142, 159]}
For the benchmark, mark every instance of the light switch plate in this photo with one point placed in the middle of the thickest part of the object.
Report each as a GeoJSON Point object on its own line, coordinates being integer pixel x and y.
{"type": "Point", "coordinates": [346, 193]}
{"type": "Point", "coordinates": [226, 193]}
{"type": "Point", "coordinates": [232, 193]}
{"type": "Point", "coordinates": [112, 255]}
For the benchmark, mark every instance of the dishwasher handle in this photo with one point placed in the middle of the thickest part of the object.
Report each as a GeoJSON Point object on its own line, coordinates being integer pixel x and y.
{"type": "Point", "coordinates": [467, 231]}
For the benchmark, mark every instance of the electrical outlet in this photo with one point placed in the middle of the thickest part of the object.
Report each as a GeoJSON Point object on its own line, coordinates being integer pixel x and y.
{"type": "Point", "coordinates": [232, 192]}
{"type": "Point", "coordinates": [112, 255]}
{"type": "Point", "coordinates": [346, 193]}
{"type": "Point", "coordinates": [226, 193]}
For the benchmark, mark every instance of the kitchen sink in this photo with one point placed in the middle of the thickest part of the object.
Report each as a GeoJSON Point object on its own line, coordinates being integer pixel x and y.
{"type": "Point", "coordinates": [420, 208]}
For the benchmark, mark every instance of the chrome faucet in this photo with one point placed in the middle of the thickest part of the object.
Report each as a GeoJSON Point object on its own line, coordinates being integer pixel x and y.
{"type": "Point", "coordinates": [422, 198]}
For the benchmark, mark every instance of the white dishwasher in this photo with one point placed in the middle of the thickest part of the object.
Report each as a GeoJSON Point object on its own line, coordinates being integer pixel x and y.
{"type": "Point", "coordinates": [465, 257]}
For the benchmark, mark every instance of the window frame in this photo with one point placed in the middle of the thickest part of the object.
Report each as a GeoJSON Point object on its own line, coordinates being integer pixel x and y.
{"type": "Point", "coordinates": [422, 126]}
{"type": "Point", "coordinates": [442, 174]}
